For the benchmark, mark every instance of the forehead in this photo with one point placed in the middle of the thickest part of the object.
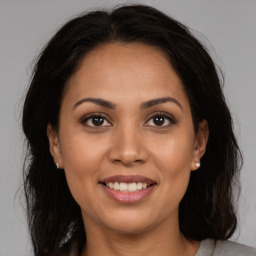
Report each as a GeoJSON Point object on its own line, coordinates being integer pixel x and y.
{"type": "Point", "coordinates": [123, 70]}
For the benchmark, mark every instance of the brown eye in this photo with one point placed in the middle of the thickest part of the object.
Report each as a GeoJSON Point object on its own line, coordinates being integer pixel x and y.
{"type": "Point", "coordinates": [95, 121]}
{"type": "Point", "coordinates": [160, 120]}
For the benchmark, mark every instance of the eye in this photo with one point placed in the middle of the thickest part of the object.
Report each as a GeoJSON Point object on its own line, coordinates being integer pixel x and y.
{"type": "Point", "coordinates": [95, 120]}
{"type": "Point", "coordinates": [160, 120]}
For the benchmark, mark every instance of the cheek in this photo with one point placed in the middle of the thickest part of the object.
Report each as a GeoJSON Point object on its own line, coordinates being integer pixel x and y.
{"type": "Point", "coordinates": [82, 154]}
{"type": "Point", "coordinates": [173, 157]}
{"type": "Point", "coordinates": [175, 170]}
{"type": "Point", "coordinates": [81, 160]}
{"type": "Point", "coordinates": [175, 152]}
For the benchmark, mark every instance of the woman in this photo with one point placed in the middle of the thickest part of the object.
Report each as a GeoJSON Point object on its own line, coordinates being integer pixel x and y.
{"type": "Point", "coordinates": [131, 146]}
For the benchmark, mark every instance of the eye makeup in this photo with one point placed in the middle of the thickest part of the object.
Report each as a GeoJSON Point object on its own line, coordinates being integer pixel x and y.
{"type": "Point", "coordinates": [96, 120]}
{"type": "Point", "coordinates": [157, 120]}
{"type": "Point", "coordinates": [160, 119]}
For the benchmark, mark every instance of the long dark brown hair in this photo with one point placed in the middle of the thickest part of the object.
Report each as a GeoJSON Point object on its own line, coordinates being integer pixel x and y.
{"type": "Point", "coordinates": [207, 209]}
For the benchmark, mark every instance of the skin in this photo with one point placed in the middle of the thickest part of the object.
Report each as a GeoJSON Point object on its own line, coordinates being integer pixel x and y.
{"type": "Point", "coordinates": [128, 142]}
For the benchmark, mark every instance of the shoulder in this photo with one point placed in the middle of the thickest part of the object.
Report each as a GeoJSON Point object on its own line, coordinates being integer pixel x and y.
{"type": "Point", "coordinates": [229, 248]}
{"type": "Point", "coordinates": [211, 247]}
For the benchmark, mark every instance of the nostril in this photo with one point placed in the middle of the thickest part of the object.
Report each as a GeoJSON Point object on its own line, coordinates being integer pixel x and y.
{"type": "Point", "coordinates": [127, 156]}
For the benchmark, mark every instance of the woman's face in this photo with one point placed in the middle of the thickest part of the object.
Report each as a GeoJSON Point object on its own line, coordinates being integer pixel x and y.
{"type": "Point", "coordinates": [126, 139]}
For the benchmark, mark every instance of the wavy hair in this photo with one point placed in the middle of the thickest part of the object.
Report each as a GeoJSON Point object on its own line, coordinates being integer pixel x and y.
{"type": "Point", "coordinates": [207, 209]}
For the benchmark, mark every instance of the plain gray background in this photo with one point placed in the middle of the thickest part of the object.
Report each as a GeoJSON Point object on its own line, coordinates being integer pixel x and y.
{"type": "Point", "coordinates": [25, 26]}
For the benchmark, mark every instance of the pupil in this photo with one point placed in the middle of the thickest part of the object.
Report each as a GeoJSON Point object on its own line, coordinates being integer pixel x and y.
{"type": "Point", "coordinates": [158, 120]}
{"type": "Point", "coordinates": [97, 121]}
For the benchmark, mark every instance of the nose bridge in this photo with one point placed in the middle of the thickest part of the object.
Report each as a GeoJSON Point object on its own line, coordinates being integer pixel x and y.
{"type": "Point", "coordinates": [127, 146]}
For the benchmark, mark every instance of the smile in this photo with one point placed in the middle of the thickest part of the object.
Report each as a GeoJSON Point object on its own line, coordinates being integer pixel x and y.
{"type": "Point", "coordinates": [128, 189]}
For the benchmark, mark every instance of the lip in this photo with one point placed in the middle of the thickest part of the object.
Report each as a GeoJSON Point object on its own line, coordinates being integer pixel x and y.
{"type": "Point", "coordinates": [128, 197]}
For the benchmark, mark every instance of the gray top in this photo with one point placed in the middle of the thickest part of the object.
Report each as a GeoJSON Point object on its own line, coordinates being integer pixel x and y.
{"type": "Point", "coordinates": [210, 247]}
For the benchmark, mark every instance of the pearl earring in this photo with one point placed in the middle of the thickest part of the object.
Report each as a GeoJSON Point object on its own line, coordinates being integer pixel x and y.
{"type": "Point", "coordinates": [57, 165]}
{"type": "Point", "coordinates": [197, 164]}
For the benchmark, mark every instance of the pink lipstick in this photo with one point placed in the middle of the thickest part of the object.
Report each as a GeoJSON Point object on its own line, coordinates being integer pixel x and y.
{"type": "Point", "coordinates": [128, 189]}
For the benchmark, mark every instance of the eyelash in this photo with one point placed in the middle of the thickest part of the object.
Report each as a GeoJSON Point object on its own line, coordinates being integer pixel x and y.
{"type": "Point", "coordinates": [85, 119]}
{"type": "Point", "coordinates": [164, 115]}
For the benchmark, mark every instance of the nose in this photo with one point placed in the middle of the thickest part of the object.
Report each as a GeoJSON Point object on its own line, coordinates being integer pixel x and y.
{"type": "Point", "coordinates": [127, 147]}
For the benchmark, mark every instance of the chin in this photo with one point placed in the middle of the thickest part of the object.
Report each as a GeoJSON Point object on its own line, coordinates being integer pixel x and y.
{"type": "Point", "coordinates": [130, 228]}
{"type": "Point", "coordinates": [132, 222]}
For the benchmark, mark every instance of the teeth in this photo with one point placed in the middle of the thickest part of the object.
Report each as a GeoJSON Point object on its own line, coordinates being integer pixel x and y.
{"type": "Point", "coordinates": [123, 186]}
{"type": "Point", "coordinates": [127, 187]}
{"type": "Point", "coordinates": [144, 185]}
{"type": "Point", "coordinates": [116, 186]}
{"type": "Point", "coordinates": [132, 187]}
{"type": "Point", "coordinates": [139, 185]}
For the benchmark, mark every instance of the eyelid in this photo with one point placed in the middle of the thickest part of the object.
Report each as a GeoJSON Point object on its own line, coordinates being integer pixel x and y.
{"type": "Point", "coordinates": [162, 114]}
{"type": "Point", "coordinates": [166, 115]}
{"type": "Point", "coordinates": [96, 114]}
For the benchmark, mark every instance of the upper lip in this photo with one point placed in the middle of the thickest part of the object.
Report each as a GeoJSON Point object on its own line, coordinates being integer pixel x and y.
{"type": "Point", "coordinates": [128, 179]}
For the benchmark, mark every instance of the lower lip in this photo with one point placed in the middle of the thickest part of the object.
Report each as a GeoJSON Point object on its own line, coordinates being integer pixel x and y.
{"type": "Point", "coordinates": [128, 197]}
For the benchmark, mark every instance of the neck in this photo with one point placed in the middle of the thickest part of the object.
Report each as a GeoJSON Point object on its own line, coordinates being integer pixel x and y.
{"type": "Point", "coordinates": [158, 241]}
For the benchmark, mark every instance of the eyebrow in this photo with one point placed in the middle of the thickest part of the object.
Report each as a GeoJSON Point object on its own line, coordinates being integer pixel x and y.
{"type": "Point", "coordinates": [96, 101]}
{"type": "Point", "coordinates": [144, 105]}
{"type": "Point", "coordinates": [157, 101]}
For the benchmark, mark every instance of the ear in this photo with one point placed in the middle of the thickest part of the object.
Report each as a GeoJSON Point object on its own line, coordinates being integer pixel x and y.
{"type": "Point", "coordinates": [54, 145]}
{"type": "Point", "coordinates": [200, 144]}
